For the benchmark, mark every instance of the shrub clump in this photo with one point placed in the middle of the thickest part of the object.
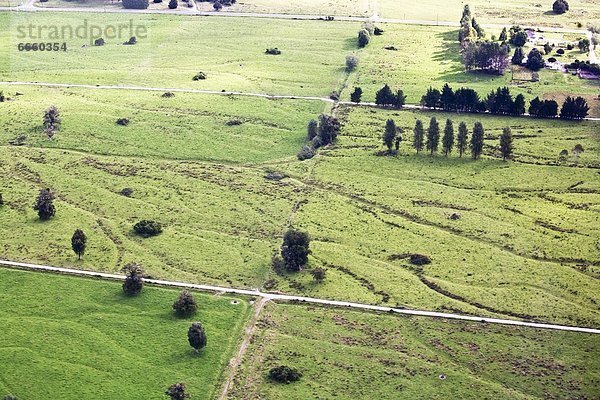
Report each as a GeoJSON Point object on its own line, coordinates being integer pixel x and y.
{"type": "Point", "coordinates": [306, 153]}
{"type": "Point", "coordinates": [146, 228]}
{"type": "Point", "coordinates": [273, 51]}
{"type": "Point", "coordinates": [132, 40]}
{"type": "Point", "coordinates": [419, 259]}
{"type": "Point", "coordinates": [123, 121]}
{"type": "Point", "coordinates": [127, 192]}
{"type": "Point", "coordinates": [134, 281]}
{"type": "Point", "coordinates": [185, 305]}
{"type": "Point", "coordinates": [200, 76]}
{"type": "Point", "coordinates": [284, 374]}
{"type": "Point", "coordinates": [136, 4]}
{"type": "Point", "coordinates": [99, 42]}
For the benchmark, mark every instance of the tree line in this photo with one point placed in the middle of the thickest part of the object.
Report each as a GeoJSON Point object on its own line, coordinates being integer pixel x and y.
{"type": "Point", "coordinates": [431, 138]}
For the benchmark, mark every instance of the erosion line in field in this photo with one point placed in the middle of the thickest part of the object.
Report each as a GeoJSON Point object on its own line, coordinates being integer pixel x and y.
{"type": "Point", "coordinates": [237, 360]}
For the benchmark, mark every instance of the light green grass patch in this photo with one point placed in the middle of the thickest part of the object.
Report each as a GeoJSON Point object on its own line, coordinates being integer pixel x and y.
{"type": "Point", "coordinates": [347, 355]}
{"type": "Point", "coordinates": [176, 48]}
{"type": "Point", "coordinates": [430, 56]}
{"type": "Point", "coordinates": [524, 12]}
{"type": "Point", "coordinates": [188, 126]}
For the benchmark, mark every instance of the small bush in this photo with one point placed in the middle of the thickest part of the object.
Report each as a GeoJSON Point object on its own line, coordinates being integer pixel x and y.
{"type": "Point", "coordinates": [185, 305]}
{"type": "Point", "coordinates": [560, 51]}
{"type": "Point", "coordinates": [233, 122]}
{"type": "Point", "coordinates": [278, 264]}
{"type": "Point", "coordinates": [335, 95]}
{"type": "Point", "coordinates": [2, 97]}
{"type": "Point", "coordinates": [570, 47]}
{"type": "Point", "coordinates": [146, 228]}
{"type": "Point", "coordinates": [306, 153]}
{"type": "Point", "coordinates": [123, 121]}
{"type": "Point", "coordinates": [167, 94]}
{"type": "Point", "coordinates": [552, 59]}
{"type": "Point", "coordinates": [351, 62]}
{"type": "Point", "coordinates": [217, 6]}
{"type": "Point", "coordinates": [134, 281]}
{"type": "Point", "coordinates": [274, 51]}
{"type": "Point", "coordinates": [318, 274]}
{"type": "Point", "coordinates": [419, 259]}
{"type": "Point", "coordinates": [132, 40]}
{"type": "Point", "coordinates": [127, 192]}
{"type": "Point", "coordinates": [199, 76]}
{"type": "Point", "coordinates": [173, 4]}
{"type": "Point", "coordinates": [99, 42]}
{"type": "Point", "coordinates": [378, 31]}
{"type": "Point", "coordinates": [284, 374]}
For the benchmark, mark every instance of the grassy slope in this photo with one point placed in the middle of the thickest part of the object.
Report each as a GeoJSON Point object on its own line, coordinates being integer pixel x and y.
{"type": "Point", "coordinates": [527, 231]}
{"type": "Point", "coordinates": [508, 12]}
{"type": "Point", "coordinates": [187, 126]}
{"type": "Point", "coordinates": [429, 56]}
{"type": "Point", "coordinates": [360, 8]}
{"type": "Point", "coordinates": [229, 51]}
{"type": "Point", "coordinates": [70, 338]}
{"type": "Point", "coordinates": [523, 236]}
{"type": "Point", "coordinates": [349, 355]}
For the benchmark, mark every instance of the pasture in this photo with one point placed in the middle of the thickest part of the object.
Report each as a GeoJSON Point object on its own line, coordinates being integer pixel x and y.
{"type": "Point", "coordinates": [510, 12]}
{"type": "Point", "coordinates": [73, 338]}
{"type": "Point", "coordinates": [344, 355]}
{"type": "Point", "coordinates": [413, 58]}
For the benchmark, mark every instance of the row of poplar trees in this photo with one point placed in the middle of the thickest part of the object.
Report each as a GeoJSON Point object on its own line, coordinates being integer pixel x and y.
{"type": "Point", "coordinates": [430, 139]}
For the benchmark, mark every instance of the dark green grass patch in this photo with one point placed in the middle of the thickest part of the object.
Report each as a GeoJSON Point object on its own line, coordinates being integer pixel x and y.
{"type": "Point", "coordinates": [72, 338]}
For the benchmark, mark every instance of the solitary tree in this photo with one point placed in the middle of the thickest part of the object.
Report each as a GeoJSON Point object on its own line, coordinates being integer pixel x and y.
{"type": "Point", "coordinates": [351, 62]}
{"type": "Point", "coordinates": [577, 150]}
{"type": "Point", "coordinates": [51, 121]}
{"type": "Point", "coordinates": [295, 249]}
{"type": "Point", "coordinates": [448, 138]}
{"type": "Point", "coordinates": [506, 143]}
{"type": "Point", "coordinates": [433, 136]}
{"type": "Point", "coordinates": [134, 281]}
{"type": "Point", "coordinates": [399, 138]}
{"type": "Point", "coordinates": [185, 305]}
{"type": "Point", "coordinates": [196, 336]}
{"type": "Point", "coordinates": [477, 140]}
{"type": "Point", "coordinates": [560, 6]}
{"type": "Point", "coordinates": [44, 206]}
{"type": "Point", "coordinates": [419, 136]}
{"type": "Point", "coordinates": [177, 391]}
{"type": "Point", "coordinates": [173, 4]}
{"type": "Point", "coordinates": [318, 274]}
{"type": "Point", "coordinates": [363, 38]}
{"type": "Point", "coordinates": [461, 140]}
{"type": "Point", "coordinates": [78, 243]}
{"type": "Point", "coordinates": [390, 134]}
{"type": "Point", "coordinates": [356, 96]}
{"type": "Point", "coordinates": [584, 45]}
{"type": "Point", "coordinates": [217, 5]}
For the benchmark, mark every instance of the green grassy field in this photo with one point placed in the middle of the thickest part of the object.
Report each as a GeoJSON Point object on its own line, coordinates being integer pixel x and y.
{"type": "Point", "coordinates": [187, 126]}
{"type": "Point", "coordinates": [528, 228]}
{"type": "Point", "coordinates": [349, 355]}
{"type": "Point", "coordinates": [177, 48]}
{"type": "Point", "coordinates": [312, 62]}
{"type": "Point", "coordinates": [73, 338]}
{"type": "Point", "coordinates": [508, 12]}
{"type": "Point", "coordinates": [359, 8]}
{"type": "Point", "coordinates": [430, 56]}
